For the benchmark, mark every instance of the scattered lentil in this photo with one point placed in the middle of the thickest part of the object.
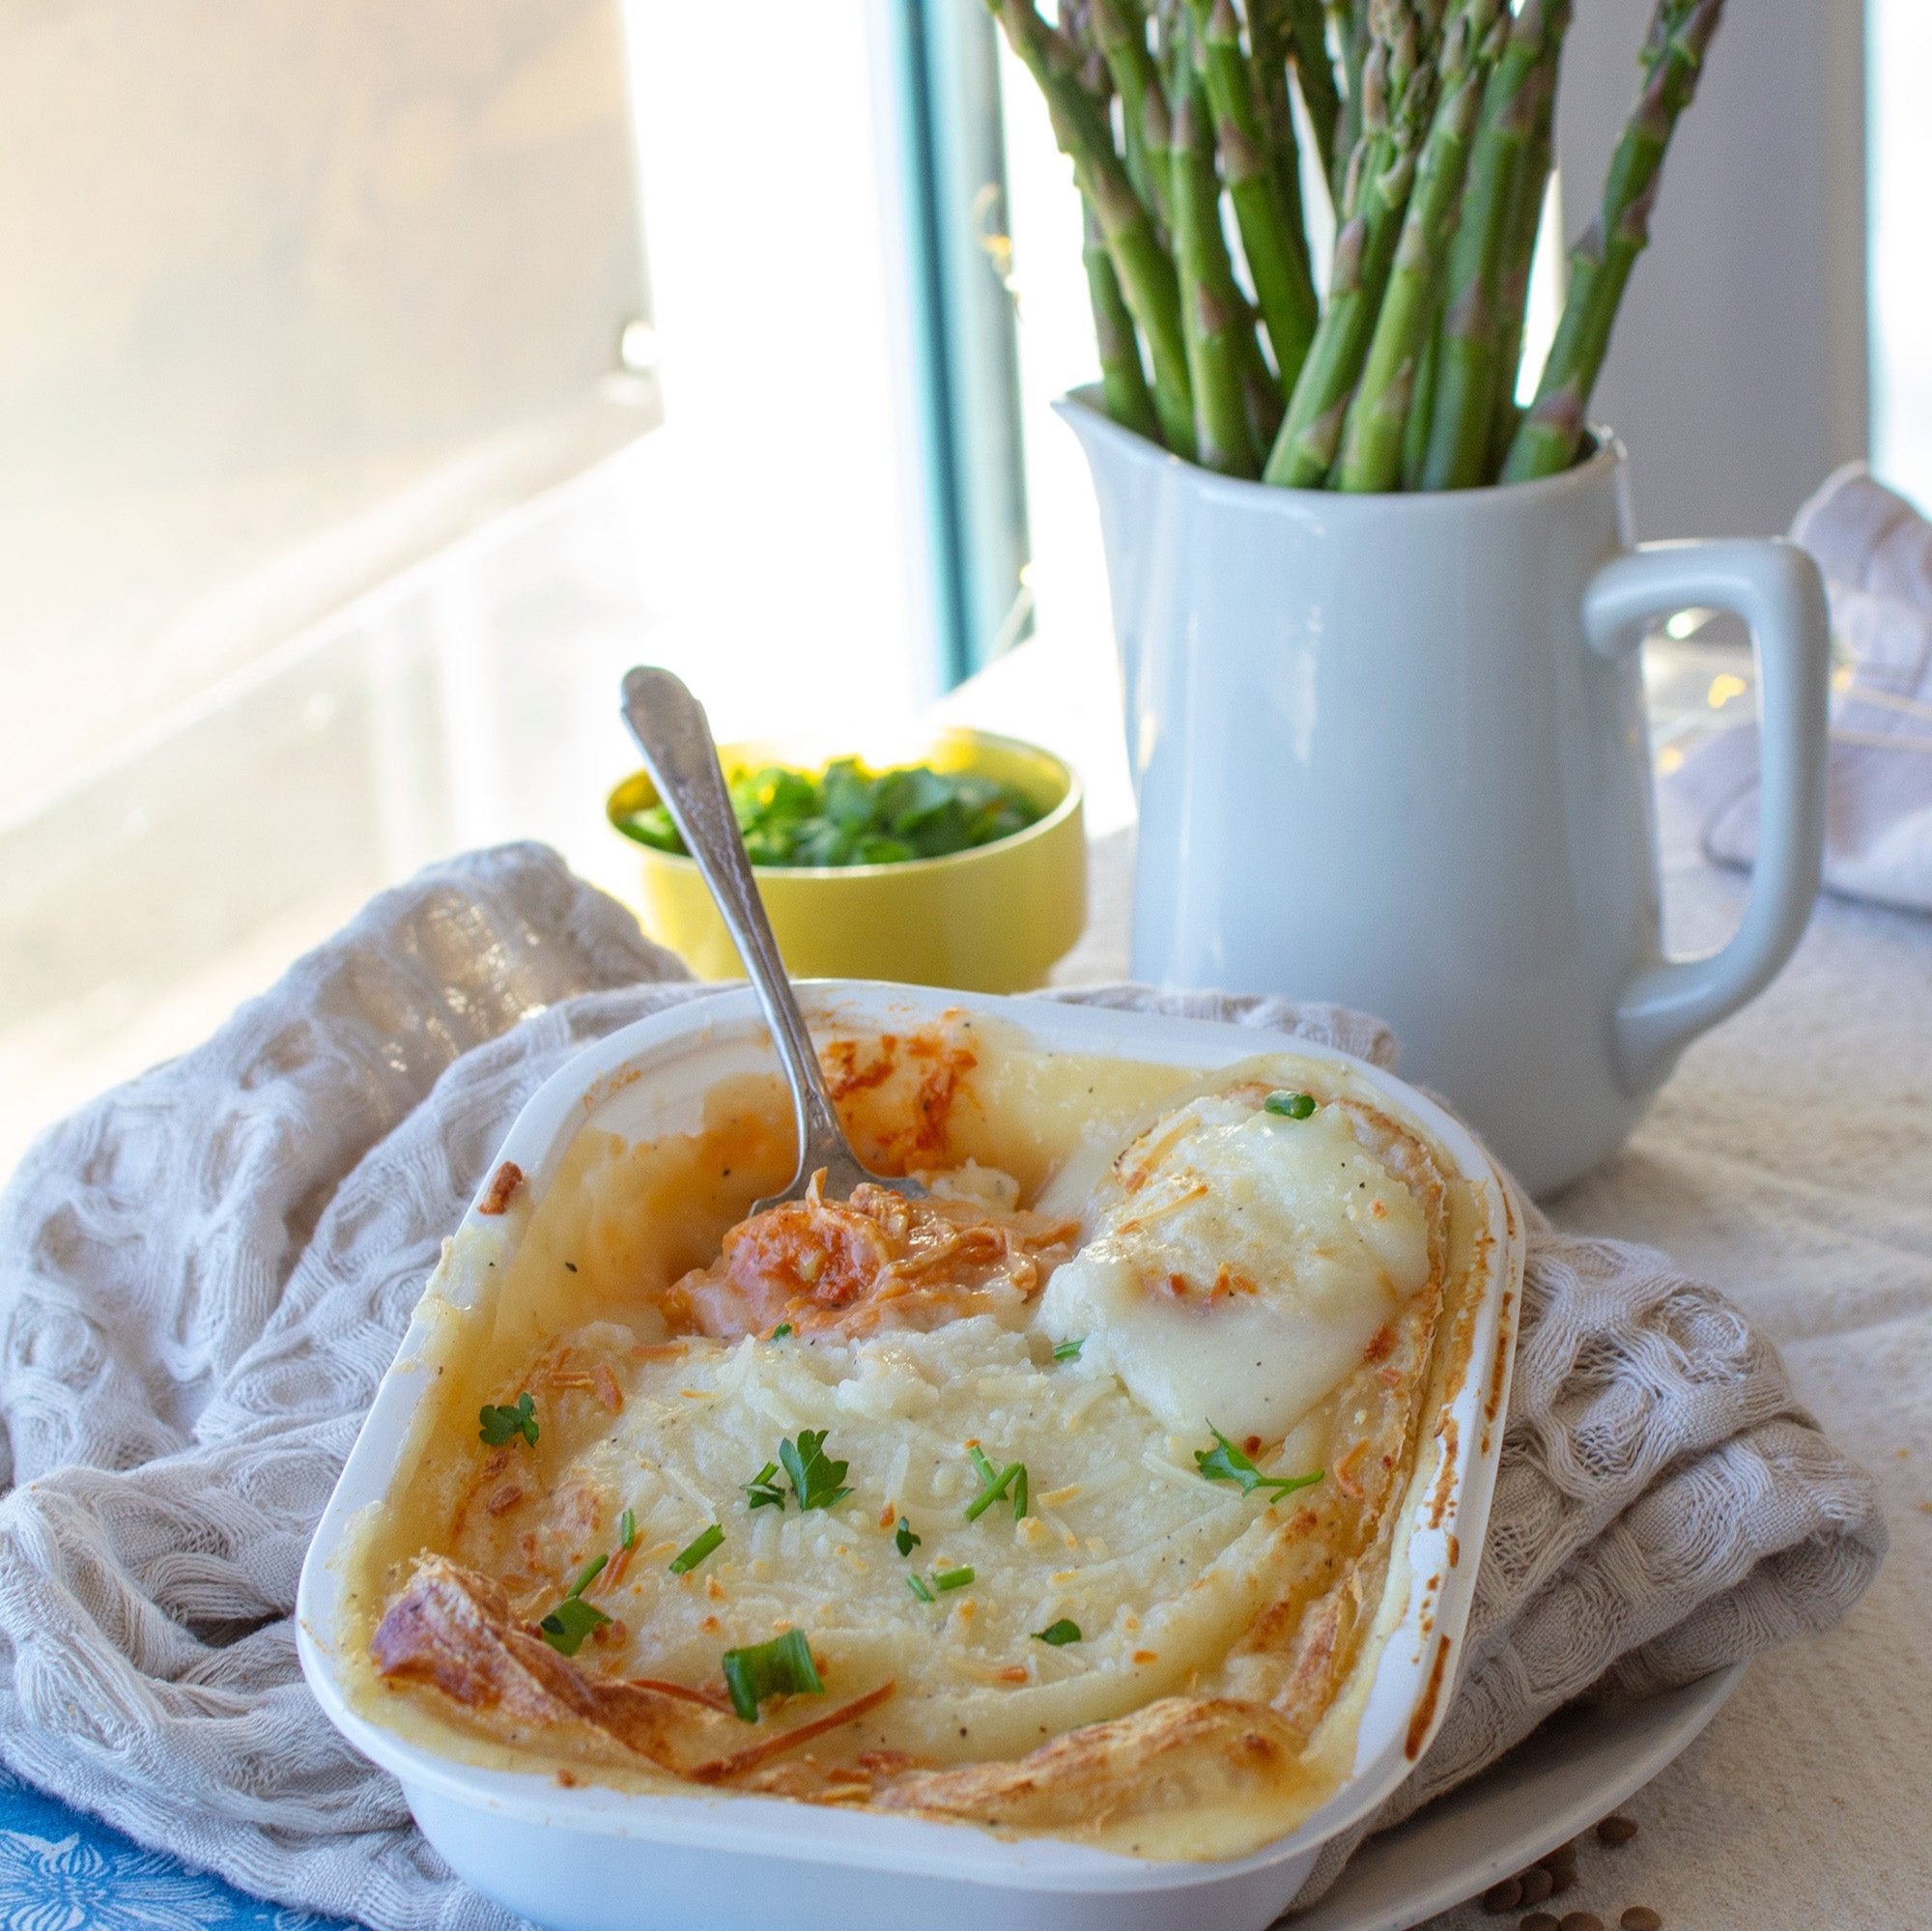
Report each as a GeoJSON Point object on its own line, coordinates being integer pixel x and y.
{"type": "Point", "coordinates": [1580, 1920]}
{"type": "Point", "coordinates": [1537, 1885]}
{"type": "Point", "coordinates": [1616, 1830]}
{"type": "Point", "coordinates": [1562, 1878]}
{"type": "Point", "coordinates": [1538, 1921]}
{"type": "Point", "coordinates": [1640, 1917]}
{"type": "Point", "coordinates": [1503, 1896]}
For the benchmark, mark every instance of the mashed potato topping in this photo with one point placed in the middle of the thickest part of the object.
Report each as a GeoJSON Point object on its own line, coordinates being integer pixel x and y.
{"type": "Point", "coordinates": [1065, 1517]}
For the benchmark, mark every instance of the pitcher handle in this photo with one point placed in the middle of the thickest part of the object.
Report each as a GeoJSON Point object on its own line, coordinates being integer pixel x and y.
{"type": "Point", "coordinates": [1776, 588]}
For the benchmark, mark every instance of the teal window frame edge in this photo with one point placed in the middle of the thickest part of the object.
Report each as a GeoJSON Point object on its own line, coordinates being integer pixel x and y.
{"type": "Point", "coordinates": [965, 353]}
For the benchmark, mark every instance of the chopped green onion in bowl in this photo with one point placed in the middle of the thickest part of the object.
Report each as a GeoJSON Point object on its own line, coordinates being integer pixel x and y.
{"type": "Point", "coordinates": [849, 815]}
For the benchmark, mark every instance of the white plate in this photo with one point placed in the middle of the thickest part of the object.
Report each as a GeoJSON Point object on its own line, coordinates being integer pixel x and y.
{"type": "Point", "coordinates": [1579, 1767]}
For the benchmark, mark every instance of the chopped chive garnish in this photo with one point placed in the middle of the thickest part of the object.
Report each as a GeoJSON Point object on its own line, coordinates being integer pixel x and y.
{"type": "Point", "coordinates": [783, 1329]}
{"type": "Point", "coordinates": [780, 1667]}
{"type": "Point", "coordinates": [1058, 1634]}
{"type": "Point", "coordinates": [593, 1570]}
{"type": "Point", "coordinates": [696, 1550]}
{"type": "Point", "coordinates": [1069, 1350]}
{"type": "Point", "coordinates": [627, 1530]}
{"type": "Point", "coordinates": [997, 1486]}
{"type": "Point", "coordinates": [502, 1425]}
{"type": "Point", "coordinates": [762, 1490]}
{"type": "Point", "coordinates": [1228, 1464]}
{"type": "Point", "coordinates": [904, 1537]}
{"type": "Point", "coordinates": [569, 1623]}
{"type": "Point", "coordinates": [1289, 1105]}
{"type": "Point", "coordinates": [916, 1584]}
{"type": "Point", "coordinates": [954, 1578]}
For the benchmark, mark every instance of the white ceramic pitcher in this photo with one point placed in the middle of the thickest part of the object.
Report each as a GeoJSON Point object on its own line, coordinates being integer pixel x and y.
{"type": "Point", "coordinates": [1391, 751]}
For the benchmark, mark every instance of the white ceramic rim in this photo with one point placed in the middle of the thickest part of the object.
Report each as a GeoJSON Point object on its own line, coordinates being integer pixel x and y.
{"type": "Point", "coordinates": [1587, 473]}
{"type": "Point", "coordinates": [778, 1828]}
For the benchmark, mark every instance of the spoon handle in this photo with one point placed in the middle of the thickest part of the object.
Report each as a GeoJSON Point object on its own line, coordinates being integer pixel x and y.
{"type": "Point", "coordinates": [673, 734]}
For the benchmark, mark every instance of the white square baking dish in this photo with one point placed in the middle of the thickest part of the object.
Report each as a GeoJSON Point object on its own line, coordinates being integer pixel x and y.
{"type": "Point", "coordinates": [586, 1857]}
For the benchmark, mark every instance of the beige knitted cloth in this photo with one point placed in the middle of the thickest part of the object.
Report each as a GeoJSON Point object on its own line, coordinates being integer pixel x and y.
{"type": "Point", "coordinates": [204, 1273]}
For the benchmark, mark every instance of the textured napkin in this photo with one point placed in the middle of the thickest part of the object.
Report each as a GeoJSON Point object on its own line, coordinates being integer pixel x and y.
{"type": "Point", "coordinates": [204, 1274]}
{"type": "Point", "coordinates": [1875, 550]}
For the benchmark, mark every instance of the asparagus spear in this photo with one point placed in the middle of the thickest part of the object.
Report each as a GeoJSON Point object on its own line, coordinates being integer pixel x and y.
{"type": "Point", "coordinates": [1284, 286]}
{"type": "Point", "coordinates": [1213, 312]}
{"type": "Point", "coordinates": [1123, 376]}
{"type": "Point", "coordinates": [1348, 28]}
{"type": "Point", "coordinates": [1120, 32]}
{"type": "Point", "coordinates": [1269, 46]}
{"type": "Point", "coordinates": [1146, 275]}
{"type": "Point", "coordinates": [1320, 92]}
{"type": "Point", "coordinates": [1601, 262]}
{"type": "Point", "coordinates": [1525, 219]}
{"type": "Point", "coordinates": [1373, 440]}
{"type": "Point", "coordinates": [1469, 376]}
{"type": "Point", "coordinates": [1398, 94]}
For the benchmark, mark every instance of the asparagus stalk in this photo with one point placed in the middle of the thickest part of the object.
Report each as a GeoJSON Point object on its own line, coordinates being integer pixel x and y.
{"type": "Point", "coordinates": [1398, 94]}
{"type": "Point", "coordinates": [1421, 409]}
{"type": "Point", "coordinates": [1214, 313]}
{"type": "Point", "coordinates": [1601, 262]}
{"type": "Point", "coordinates": [1120, 32]}
{"type": "Point", "coordinates": [1123, 376]}
{"type": "Point", "coordinates": [1276, 247]}
{"type": "Point", "coordinates": [1147, 276]}
{"type": "Point", "coordinates": [1525, 221]}
{"type": "Point", "coordinates": [1269, 48]}
{"type": "Point", "coordinates": [1349, 26]}
{"type": "Point", "coordinates": [1469, 372]}
{"type": "Point", "coordinates": [1320, 92]}
{"type": "Point", "coordinates": [1372, 447]}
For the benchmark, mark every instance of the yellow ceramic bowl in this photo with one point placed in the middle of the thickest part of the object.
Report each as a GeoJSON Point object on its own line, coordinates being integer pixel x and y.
{"type": "Point", "coordinates": [990, 919]}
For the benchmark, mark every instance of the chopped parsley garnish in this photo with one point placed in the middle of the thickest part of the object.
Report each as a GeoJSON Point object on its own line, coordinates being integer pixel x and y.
{"type": "Point", "coordinates": [1059, 1634]}
{"type": "Point", "coordinates": [762, 1490]}
{"type": "Point", "coordinates": [815, 1477]}
{"type": "Point", "coordinates": [627, 1530]}
{"type": "Point", "coordinates": [780, 1667]}
{"type": "Point", "coordinates": [1289, 1105]}
{"type": "Point", "coordinates": [1069, 1350]}
{"type": "Point", "coordinates": [1226, 1463]}
{"type": "Point", "coordinates": [916, 1584]}
{"type": "Point", "coordinates": [816, 1480]}
{"type": "Point", "coordinates": [954, 1578]}
{"type": "Point", "coordinates": [904, 1537]}
{"type": "Point", "coordinates": [850, 813]}
{"type": "Point", "coordinates": [783, 1329]}
{"type": "Point", "coordinates": [569, 1623]}
{"type": "Point", "coordinates": [593, 1570]}
{"type": "Point", "coordinates": [502, 1425]}
{"type": "Point", "coordinates": [1009, 1480]}
{"type": "Point", "coordinates": [696, 1550]}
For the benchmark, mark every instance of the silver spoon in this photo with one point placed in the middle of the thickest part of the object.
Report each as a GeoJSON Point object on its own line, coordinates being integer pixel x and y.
{"type": "Point", "coordinates": [675, 738]}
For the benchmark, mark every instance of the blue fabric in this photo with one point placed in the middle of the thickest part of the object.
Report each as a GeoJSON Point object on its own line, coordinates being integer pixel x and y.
{"type": "Point", "coordinates": [63, 1871]}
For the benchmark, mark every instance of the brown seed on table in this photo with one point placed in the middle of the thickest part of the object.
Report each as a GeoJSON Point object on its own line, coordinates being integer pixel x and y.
{"type": "Point", "coordinates": [1580, 1920]}
{"type": "Point", "coordinates": [1503, 1896]}
{"type": "Point", "coordinates": [1537, 1885]}
{"type": "Point", "coordinates": [1640, 1917]}
{"type": "Point", "coordinates": [1538, 1921]}
{"type": "Point", "coordinates": [1562, 1878]}
{"type": "Point", "coordinates": [1614, 1830]}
